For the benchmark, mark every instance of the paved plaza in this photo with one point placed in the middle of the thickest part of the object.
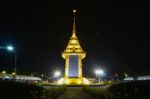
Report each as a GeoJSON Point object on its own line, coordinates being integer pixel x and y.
{"type": "Point", "coordinates": [75, 93]}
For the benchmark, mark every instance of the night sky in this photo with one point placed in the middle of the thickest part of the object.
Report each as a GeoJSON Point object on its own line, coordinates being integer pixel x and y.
{"type": "Point", "coordinates": [114, 34]}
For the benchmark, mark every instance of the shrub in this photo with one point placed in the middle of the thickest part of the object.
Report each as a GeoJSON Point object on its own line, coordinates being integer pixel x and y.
{"type": "Point", "coordinates": [129, 90]}
{"type": "Point", "coordinates": [125, 90]}
{"type": "Point", "coordinates": [54, 92]}
{"type": "Point", "coordinates": [17, 90]}
{"type": "Point", "coordinates": [96, 93]}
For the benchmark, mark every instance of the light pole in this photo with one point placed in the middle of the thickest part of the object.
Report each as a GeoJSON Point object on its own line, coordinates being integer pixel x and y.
{"type": "Point", "coordinates": [57, 74]}
{"type": "Point", "coordinates": [11, 48]}
{"type": "Point", "coordinates": [99, 73]}
{"type": "Point", "coordinates": [3, 74]}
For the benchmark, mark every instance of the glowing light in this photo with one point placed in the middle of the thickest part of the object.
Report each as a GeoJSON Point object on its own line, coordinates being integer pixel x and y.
{"type": "Point", "coordinates": [74, 41]}
{"type": "Point", "coordinates": [70, 81]}
{"type": "Point", "coordinates": [126, 75]}
{"type": "Point", "coordinates": [13, 73]}
{"type": "Point", "coordinates": [73, 76]}
{"type": "Point", "coordinates": [3, 72]}
{"type": "Point", "coordinates": [109, 82]}
{"type": "Point", "coordinates": [99, 72]}
{"type": "Point", "coordinates": [10, 48]}
{"type": "Point", "coordinates": [86, 81]}
{"type": "Point", "coordinates": [79, 82]}
{"type": "Point", "coordinates": [67, 81]}
{"type": "Point", "coordinates": [42, 75]}
{"type": "Point", "coordinates": [116, 74]}
{"type": "Point", "coordinates": [60, 81]}
{"type": "Point", "coordinates": [57, 74]}
{"type": "Point", "coordinates": [74, 11]}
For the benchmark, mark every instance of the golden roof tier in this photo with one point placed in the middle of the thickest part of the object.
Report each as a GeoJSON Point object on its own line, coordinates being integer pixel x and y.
{"type": "Point", "coordinates": [73, 47]}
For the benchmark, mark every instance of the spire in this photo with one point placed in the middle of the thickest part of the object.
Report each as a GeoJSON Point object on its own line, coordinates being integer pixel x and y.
{"type": "Point", "coordinates": [74, 27]}
{"type": "Point", "coordinates": [74, 46]}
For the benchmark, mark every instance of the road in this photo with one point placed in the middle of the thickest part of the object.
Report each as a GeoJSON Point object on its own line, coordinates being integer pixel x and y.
{"type": "Point", "coordinates": [75, 93]}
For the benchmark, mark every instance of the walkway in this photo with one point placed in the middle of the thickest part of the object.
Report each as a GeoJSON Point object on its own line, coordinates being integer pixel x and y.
{"type": "Point", "coordinates": [74, 93]}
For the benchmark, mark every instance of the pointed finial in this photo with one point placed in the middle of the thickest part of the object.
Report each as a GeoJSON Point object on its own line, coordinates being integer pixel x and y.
{"type": "Point", "coordinates": [74, 27]}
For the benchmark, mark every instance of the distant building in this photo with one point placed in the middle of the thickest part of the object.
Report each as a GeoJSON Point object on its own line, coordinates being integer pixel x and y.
{"type": "Point", "coordinates": [137, 78]}
{"type": "Point", "coordinates": [20, 78]}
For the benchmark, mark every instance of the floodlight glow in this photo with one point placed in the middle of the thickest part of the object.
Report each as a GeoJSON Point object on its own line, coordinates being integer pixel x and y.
{"type": "Point", "coordinates": [99, 72]}
{"type": "Point", "coordinates": [13, 73]}
{"type": "Point", "coordinates": [10, 48]}
{"type": "Point", "coordinates": [74, 11]}
{"type": "Point", "coordinates": [126, 75]}
{"type": "Point", "coordinates": [3, 72]}
{"type": "Point", "coordinates": [57, 74]}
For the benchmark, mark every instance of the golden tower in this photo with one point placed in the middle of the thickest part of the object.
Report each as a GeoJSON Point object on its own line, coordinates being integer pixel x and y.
{"type": "Point", "coordinates": [73, 55]}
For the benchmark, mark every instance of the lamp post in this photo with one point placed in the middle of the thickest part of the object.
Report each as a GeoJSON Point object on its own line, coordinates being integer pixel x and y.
{"type": "Point", "coordinates": [11, 48]}
{"type": "Point", "coordinates": [57, 74]}
{"type": "Point", "coordinates": [3, 74]}
{"type": "Point", "coordinates": [99, 73]}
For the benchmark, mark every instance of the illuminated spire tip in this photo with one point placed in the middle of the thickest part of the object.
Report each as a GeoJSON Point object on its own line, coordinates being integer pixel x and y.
{"type": "Point", "coordinates": [74, 27]}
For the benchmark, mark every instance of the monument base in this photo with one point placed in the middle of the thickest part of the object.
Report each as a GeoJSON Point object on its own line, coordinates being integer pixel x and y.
{"type": "Point", "coordinates": [73, 81]}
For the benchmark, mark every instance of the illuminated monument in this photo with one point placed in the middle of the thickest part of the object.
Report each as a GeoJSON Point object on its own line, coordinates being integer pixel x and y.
{"type": "Point", "coordinates": [73, 55]}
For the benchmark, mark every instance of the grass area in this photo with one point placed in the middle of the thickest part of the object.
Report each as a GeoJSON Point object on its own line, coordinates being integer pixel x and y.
{"type": "Point", "coordinates": [16, 90]}
{"type": "Point", "coordinates": [54, 92]}
{"type": "Point", "coordinates": [128, 90]}
{"type": "Point", "coordinates": [97, 93]}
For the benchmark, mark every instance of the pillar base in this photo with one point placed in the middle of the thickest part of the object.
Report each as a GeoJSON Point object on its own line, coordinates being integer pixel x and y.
{"type": "Point", "coordinates": [73, 81]}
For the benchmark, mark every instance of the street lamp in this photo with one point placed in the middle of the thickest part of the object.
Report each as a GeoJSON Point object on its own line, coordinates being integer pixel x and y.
{"type": "Point", "coordinates": [11, 48]}
{"type": "Point", "coordinates": [3, 72]}
{"type": "Point", "coordinates": [99, 73]}
{"type": "Point", "coordinates": [13, 73]}
{"type": "Point", "coordinates": [57, 73]}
